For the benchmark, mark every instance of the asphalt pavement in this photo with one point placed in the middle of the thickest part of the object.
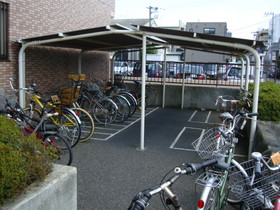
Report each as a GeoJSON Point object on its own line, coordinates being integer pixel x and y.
{"type": "Point", "coordinates": [112, 171]}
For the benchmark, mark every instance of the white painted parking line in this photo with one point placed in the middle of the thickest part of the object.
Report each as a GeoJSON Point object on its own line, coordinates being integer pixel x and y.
{"type": "Point", "coordinates": [208, 116]}
{"type": "Point", "coordinates": [202, 121]}
{"type": "Point", "coordinates": [178, 137]}
{"type": "Point", "coordinates": [190, 119]}
{"type": "Point", "coordinates": [119, 127]}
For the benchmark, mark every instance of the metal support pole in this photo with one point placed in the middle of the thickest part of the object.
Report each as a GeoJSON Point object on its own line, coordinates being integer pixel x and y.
{"type": "Point", "coordinates": [247, 71]}
{"type": "Point", "coordinates": [143, 93]}
{"type": "Point", "coordinates": [164, 80]}
{"type": "Point", "coordinates": [242, 72]}
{"type": "Point", "coordinates": [183, 81]}
{"type": "Point", "coordinates": [80, 62]}
{"type": "Point", "coordinates": [255, 100]}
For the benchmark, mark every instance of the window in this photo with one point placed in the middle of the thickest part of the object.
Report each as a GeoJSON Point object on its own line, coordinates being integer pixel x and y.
{"type": "Point", "coordinates": [209, 30]}
{"type": "Point", "coordinates": [3, 31]}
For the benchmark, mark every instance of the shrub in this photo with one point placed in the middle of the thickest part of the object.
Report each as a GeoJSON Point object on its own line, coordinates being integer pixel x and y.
{"type": "Point", "coordinates": [23, 160]}
{"type": "Point", "coordinates": [269, 101]}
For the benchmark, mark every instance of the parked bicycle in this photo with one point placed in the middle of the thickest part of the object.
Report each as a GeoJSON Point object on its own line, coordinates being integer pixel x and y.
{"type": "Point", "coordinates": [67, 121]}
{"type": "Point", "coordinates": [257, 185]}
{"type": "Point", "coordinates": [68, 96]}
{"type": "Point", "coordinates": [141, 200]}
{"type": "Point", "coordinates": [220, 144]}
{"type": "Point", "coordinates": [49, 138]}
{"type": "Point", "coordinates": [136, 91]}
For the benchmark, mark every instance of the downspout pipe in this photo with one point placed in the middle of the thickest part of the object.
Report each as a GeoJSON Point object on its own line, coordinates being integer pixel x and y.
{"type": "Point", "coordinates": [21, 66]}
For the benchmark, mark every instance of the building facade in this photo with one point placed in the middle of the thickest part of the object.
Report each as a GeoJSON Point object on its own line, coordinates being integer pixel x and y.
{"type": "Point", "coordinates": [212, 28]}
{"type": "Point", "coordinates": [274, 39]}
{"type": "Point", "coordinates": [48, 66]}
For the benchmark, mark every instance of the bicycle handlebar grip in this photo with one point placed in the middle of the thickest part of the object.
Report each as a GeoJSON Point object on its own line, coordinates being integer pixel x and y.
{"type": "Point", "coordinates": [252, 114]}
{"type": "Point", "coordinates": [257, 157]}
{"type": "Point", "coordinates": [141, 203]}
{"type": "Point", "coordinates": [51, 114]}
{"type": "Point", "coordinates": [258, 168]}
{"type": "Point", "coordinates": [195, 167]}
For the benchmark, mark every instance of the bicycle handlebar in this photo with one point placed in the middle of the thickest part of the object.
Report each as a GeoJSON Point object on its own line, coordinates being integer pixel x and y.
{"type": "Point", "coordinates": [141, 200]}
{"type": "Point", "coordinates": [31, 88]}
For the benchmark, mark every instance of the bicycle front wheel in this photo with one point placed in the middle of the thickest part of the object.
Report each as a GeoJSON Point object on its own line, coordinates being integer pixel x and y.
{"type": "Point", "coordinates": [69, 125]}
{"type": "Point", "coordinates": [105, 111]}
{"type": "Point", "coordinates": [60, 147]}
{"type": "Point", "coordinates": [210, 196]}
{"type": "Point", "coordinates": [87, 124]}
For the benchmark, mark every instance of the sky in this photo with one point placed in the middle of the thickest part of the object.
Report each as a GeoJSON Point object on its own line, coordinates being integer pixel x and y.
{"type": "Point", "coordinates": [243, 17]}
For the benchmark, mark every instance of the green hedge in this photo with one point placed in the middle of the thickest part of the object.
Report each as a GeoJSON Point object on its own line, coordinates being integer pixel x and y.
{"type": "Point", "coordinates": [269, 101]}
{"type": "Point", "coordinates": [23, 160]}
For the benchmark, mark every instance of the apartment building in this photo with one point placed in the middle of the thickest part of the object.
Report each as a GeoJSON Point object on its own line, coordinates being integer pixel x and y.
{"type": "Point", "coordinates": [211, 28]}
{"type": "Point", "coordinates": [49, 66]}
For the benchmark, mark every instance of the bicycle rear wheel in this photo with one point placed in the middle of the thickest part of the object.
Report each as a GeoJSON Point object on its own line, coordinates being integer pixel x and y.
{"type": "Point", "coordinates": [131, 99]}
{"type": "Point", "coordinates": [150, 96]}
{"type": "Point", "coordinates": [87, 124]}
{"type": "Point", "coordinates": [105, 111]}
{"type": "Point", "coordinates": [123, 107]}
{"type": "Point", "coordinates": [61, 148]}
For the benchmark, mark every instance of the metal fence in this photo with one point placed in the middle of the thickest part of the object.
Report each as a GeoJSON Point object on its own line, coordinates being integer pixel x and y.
{"type": "Point", "coordinates": [214, 74]}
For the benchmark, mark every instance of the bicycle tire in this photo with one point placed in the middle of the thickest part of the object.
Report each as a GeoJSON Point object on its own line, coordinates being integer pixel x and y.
{"type": "Point", "coordinates": [132, 100]}
{"type": "Point", "coordinates": [67, 124]}
{"type": "Point", "coordinates": [123, 107]}
{"type": "Point", "coordinates": [231, 198]}
{"type": "Point", "coordinates": [87, 123]}
{"type": "Point", "coordinates": [63, 149]}
{"type": "Point", "coordinates": [150, 97]}
{"type": "Point", "coordinates": [31, 114]}
{"type": "Point", "coordinates": [104, 111]}
{"type": "Point", "coordinates": [84, 103]}
{"type": "Point", "coordinates": [208, 192]}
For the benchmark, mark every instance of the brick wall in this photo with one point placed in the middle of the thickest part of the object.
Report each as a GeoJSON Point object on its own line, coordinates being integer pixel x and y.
{"type": "Point", "coordinates": [49, 66]}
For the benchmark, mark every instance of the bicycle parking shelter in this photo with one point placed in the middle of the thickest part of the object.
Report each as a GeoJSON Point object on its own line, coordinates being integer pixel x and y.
{"type": "Point", "coordinates": [117, 37]}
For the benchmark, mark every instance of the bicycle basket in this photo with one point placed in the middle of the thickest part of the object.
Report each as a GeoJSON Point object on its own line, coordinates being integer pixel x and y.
{"type": "Point", "coordinates": [254, 194]}
{"type": "Point", "coordinates": [227, 106]}
{"type": "Point", "coordinates": [10, 96]}
{"type": "Point", "coordinates": [69, 95]}
{"type": "Point", "coordinates": [211, 144]}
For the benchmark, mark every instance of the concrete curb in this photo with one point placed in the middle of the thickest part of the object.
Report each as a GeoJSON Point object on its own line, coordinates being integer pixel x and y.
{"type": "Point", "coordinates": [267, 136]}
{"type": "Point", "coordinates": [57, 191]}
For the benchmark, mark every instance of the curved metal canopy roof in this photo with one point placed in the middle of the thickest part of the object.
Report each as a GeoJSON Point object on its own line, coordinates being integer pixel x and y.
{"type": "Point", "coordinates": [117, 37]}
